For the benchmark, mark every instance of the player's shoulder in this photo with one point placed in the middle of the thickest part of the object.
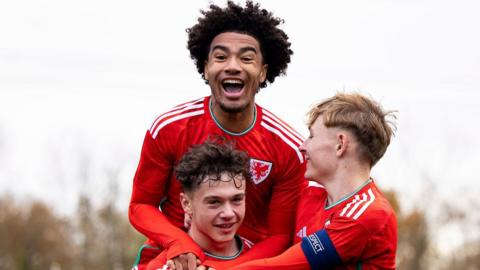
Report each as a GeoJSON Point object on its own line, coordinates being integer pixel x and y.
{"type": "Point", "coordinates": [367, 206]}
{"type": "Point", "coordinates": [313, 190]}
{"type": "Point", "coordinates": [310, 207]}
{"type": "Point", "coordinates": [281, 133]}
{"type": "Point", "coordinates": [177, 116]}
{"type": "Point", "coordinates": [246, 244]}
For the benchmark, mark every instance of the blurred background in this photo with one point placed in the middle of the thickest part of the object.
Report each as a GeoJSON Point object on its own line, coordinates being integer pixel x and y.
{"type": "Point", "coordinates": [81, 82]}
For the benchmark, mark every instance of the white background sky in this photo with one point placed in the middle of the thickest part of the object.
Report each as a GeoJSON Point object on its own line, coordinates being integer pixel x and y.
{"type": "Point", "coordinates": [81, 81]}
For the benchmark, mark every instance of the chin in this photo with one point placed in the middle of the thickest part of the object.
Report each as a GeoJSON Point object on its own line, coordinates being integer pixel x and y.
{"type": "Point", "coordinates": [233, 108]}
{"type": "Point", "coordinates": [224, 238]}
{"type": "Point", "coordinates": [309, 175]}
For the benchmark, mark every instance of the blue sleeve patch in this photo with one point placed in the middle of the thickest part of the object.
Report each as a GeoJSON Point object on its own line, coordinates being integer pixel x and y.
{"type": "Point", "coordinates": [319, 251]}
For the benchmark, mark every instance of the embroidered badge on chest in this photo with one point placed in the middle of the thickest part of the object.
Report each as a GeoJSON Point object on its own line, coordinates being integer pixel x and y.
{"type": "Point", "coordinates": [259, 170]}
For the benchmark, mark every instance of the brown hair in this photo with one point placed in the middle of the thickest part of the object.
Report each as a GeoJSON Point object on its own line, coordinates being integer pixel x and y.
{"type": "Point", "coordinates": [207, 161]}
{"type": "Point", "coordinates": [362, 116]}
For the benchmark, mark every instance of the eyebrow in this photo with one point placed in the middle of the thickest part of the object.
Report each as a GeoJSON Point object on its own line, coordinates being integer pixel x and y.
{"type": "Point", "coordinates": [242, 194]}
{"type": "Point", "coordinates": [242, 50]}
{"type": "Point", "coordinates": [211, 197]}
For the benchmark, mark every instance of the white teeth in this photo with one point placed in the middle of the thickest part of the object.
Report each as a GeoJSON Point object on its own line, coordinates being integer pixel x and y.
{"type": "Point", "coordinates": [233, 81]}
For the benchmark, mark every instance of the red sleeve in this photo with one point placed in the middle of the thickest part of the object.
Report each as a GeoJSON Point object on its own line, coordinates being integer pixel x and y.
{"type": "Point", "coordinates": [158, 262]}
{"type": "Point", "coordinates": [292, 259]}
{"type": "Point", "coordinates": [373, 233]}
{"type": "Point", "coordinates": [343, 232]}
{"type": "Point", "coordinates": [149, 184]}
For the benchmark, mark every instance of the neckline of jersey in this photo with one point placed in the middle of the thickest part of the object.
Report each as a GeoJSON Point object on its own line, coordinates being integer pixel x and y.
{"type": "Point", "coordinates": [239, 242]}
{"type": "Point", "coordinates": [229, 132]}
{"type": "Point", "coordinates": [369, 180]}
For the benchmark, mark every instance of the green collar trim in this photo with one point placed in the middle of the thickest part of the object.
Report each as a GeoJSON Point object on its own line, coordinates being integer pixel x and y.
{"type": "Point", "coordinates": [369, 180]}
{"type": "Point", "coordinates": [139, 254]}
{"type": "Point", "coordinates": [229, 132]}
{"type": "Point", "coordinates": [239, 243]}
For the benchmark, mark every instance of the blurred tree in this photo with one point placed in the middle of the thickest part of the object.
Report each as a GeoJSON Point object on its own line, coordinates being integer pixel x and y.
{"type": "Point", "coordinates": [47, 238]}
{"type": "Point", "coordinates": [107, 241]}
{"type": "Point", "coordinates": [413, 241]}
{"type": "Point", "coordinates": [33, 237]}
{"type": "Point", "coordinates": [86, 235]}
{"type": "Point", "coordinates": [120, 240]}
{"type": "Point", "coordinates": [467, 257]}
{"type": "Point", "coordinates": [413, 237]}
{"type": "Point", "coordinates": [11, 223]}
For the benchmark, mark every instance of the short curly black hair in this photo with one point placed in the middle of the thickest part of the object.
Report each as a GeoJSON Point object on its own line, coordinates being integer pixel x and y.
{"type": "Point", "coordinates": [211, 159]}
{"type": "Point", "coordinates": [251, 20]}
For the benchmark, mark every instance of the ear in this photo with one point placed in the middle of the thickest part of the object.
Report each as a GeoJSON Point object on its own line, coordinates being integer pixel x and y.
{"type": "Point", "coordinates": [205, 70]}
{"type": "Point", "coordinates": [186, 203]}
{"type": "Point", "coordinates": [263, 73]}
{"type": "Point", "coordinates": [342, 144]}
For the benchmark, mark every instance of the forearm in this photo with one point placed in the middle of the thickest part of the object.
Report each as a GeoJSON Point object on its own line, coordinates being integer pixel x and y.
{"type": "Point", "coordinates": [145, 216]}
{"type": "Point", "coordinates": [292, 259]}
{"type": "Point", "coordinates": [269, 247]}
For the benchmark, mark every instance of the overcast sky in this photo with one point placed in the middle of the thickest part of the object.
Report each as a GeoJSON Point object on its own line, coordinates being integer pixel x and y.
{"type": "Point", "coordinates": [81, 81]}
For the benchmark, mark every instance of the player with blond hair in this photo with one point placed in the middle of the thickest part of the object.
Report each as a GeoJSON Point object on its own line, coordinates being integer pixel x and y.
{"type": "Point", "coordinates": [344, 221]}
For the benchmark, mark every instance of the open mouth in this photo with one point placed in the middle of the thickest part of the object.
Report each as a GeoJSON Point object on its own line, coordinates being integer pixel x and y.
{"type": "Point", "coordinates": [232, 86]}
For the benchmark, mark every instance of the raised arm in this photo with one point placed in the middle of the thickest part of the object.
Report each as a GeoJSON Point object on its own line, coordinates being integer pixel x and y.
{"type": "Point", "coordinates": [316, 251]}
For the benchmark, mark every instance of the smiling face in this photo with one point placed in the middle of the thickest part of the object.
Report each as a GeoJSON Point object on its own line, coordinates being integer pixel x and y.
{"type": "Point", "coordinates": [217, 209]}
{"type": "Point", "coordinates": [320, 150]}
{"type": "Point", "coordinates": [234, 70]}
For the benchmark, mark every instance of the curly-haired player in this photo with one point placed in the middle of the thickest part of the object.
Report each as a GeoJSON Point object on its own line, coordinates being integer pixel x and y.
{"type": "Point", "coordinates": [251, 20]}
{"type": "Point", "coordinates": [237, 50]}
{"type": "Point", "coordinates": [213, 177]}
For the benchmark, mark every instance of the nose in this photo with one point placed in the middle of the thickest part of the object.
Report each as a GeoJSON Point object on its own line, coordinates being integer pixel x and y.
{"type": "Point", "coordinates": [233, 66]}
{"type": "Point", "coordinates": [227, 211]}
{"type": "Point", "coordinates": [302, 147]}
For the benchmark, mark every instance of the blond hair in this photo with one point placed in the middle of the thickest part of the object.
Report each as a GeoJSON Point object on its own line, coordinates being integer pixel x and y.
{"type": "Point", "coordinates": [363, 117]}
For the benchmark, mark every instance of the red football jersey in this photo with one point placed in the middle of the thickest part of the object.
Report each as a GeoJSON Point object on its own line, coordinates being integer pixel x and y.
{"type": "Point", "coordinates": [277, 168]}
{"type": "Point", "coordinates": [160, 261]}
{"type": "Point", "coordinates": [358, 232]}
{"type": "Point", "coordinates": [362, 226]}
